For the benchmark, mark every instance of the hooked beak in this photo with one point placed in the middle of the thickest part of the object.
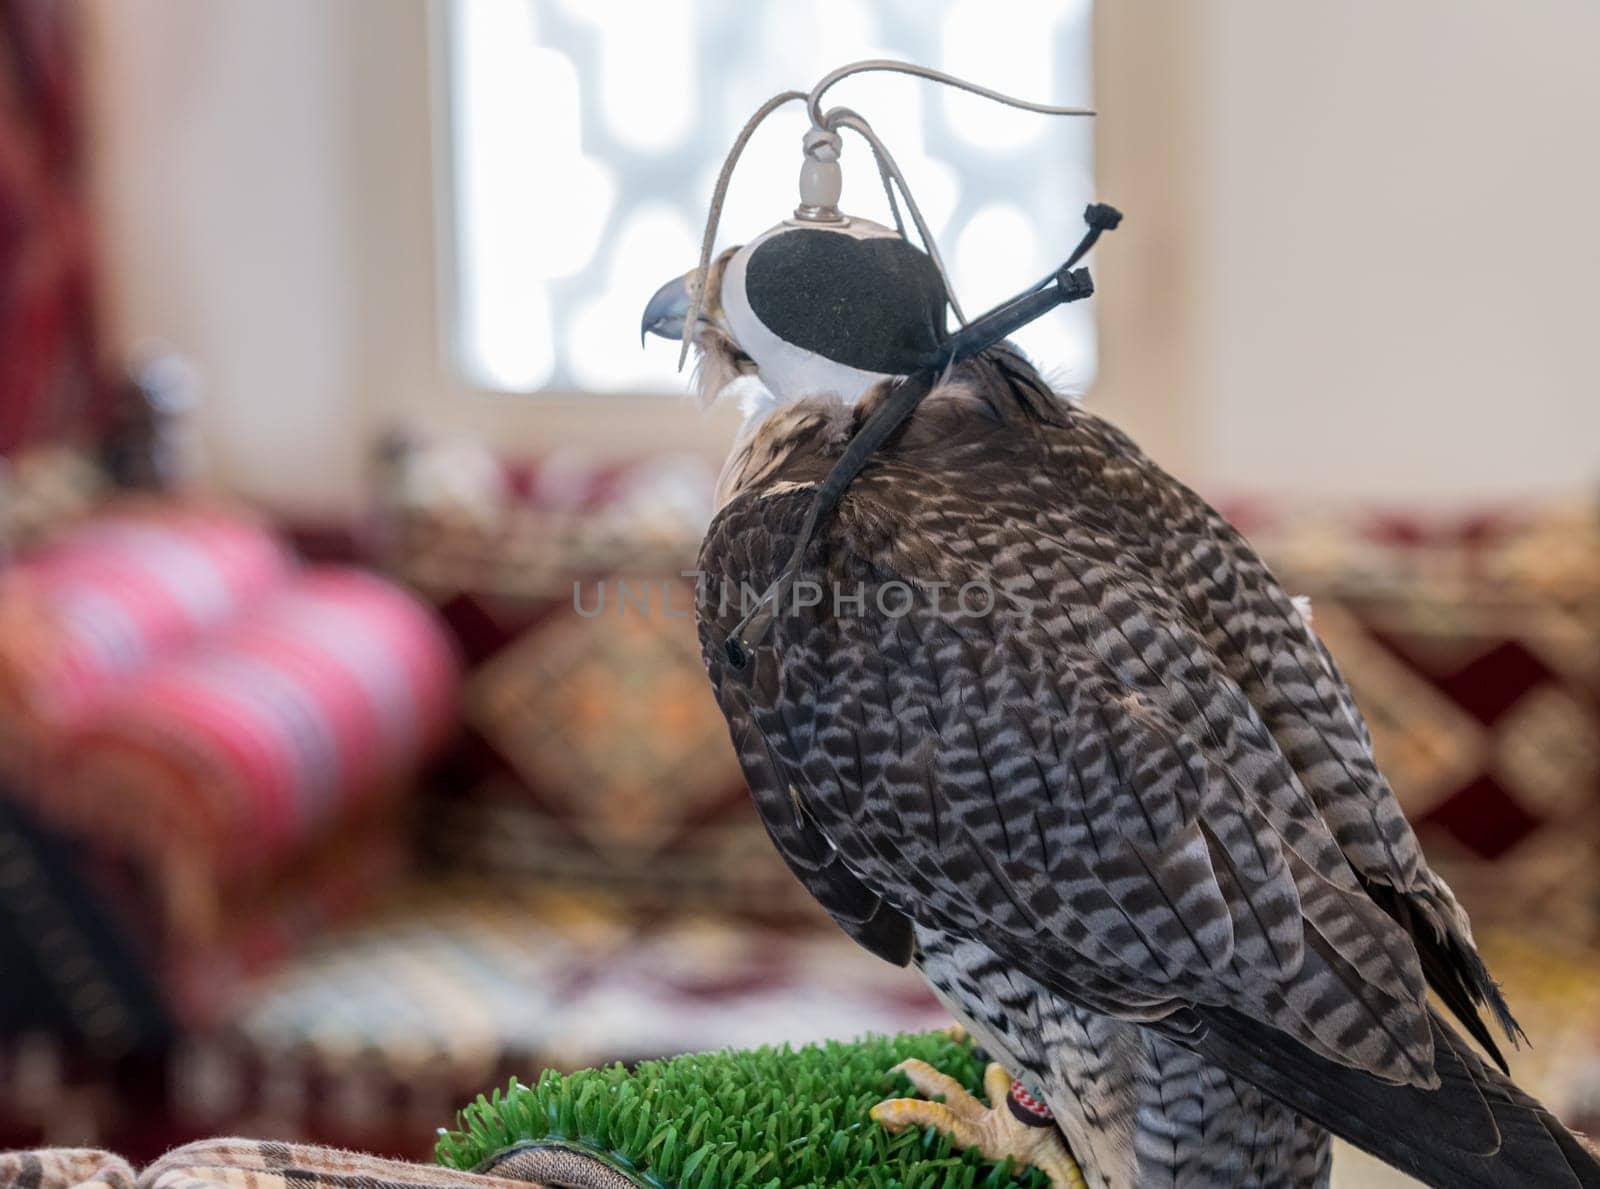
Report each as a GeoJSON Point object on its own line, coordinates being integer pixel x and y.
{"type": "Point", "coordinates": [666, 311]}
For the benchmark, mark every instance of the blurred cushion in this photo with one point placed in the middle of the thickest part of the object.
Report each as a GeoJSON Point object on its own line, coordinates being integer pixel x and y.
{"type": "Point", "coordinates": [225, 734]}
{"type": "Point", "coordinates": [236, 755]}
{"type": "Point", "coordinates": [593, 754]}
{"type": "Point", "coordinates": [108, 597]}
{"type": "Point", "coordinates": [1472, 643]}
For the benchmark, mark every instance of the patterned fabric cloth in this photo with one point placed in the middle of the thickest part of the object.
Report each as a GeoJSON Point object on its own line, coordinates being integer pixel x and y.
{"type": "Point", "coordinates": [229, 732]}
{"type": "Point", "coordinates": [1472, 644]}
{"type": "Point", "coordinates": [65, 1168]}
{"type": "Point", "coordinates": [390, 1089]}
{"type": "Point", "coordinates": [373, 1035]}
{"type": "Point", "coordinates": [105, 600]}
{"type": "Point", "coordinates": [242, 1164]}
{"type": "Point", "coordinates": [256, 742]}
{"type": "Point", "coordinates": [49, 386]}
{"type": "Point", "coordinates": [592, 754]}
{"type": "Point", "coordinates": [217, 944]}
{"type": "Point", "coordinates": [378, 1033]}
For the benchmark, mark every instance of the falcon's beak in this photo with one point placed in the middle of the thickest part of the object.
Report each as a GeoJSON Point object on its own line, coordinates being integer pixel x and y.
{"type": "Point", "coordinates": [667, 310]}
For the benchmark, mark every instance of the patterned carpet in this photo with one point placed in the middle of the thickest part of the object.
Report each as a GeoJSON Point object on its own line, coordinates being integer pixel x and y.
{"type": "Point", "coordinates": [378, 1033]}
{"type": "Point", "coordinates": [456, 991]}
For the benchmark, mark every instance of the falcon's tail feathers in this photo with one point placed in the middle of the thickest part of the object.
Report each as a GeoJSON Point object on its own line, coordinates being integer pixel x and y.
{"type": "Point", "coordinates": [1476, 1131]}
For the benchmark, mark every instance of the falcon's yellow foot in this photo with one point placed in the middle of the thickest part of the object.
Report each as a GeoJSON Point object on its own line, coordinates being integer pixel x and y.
{"type": "Point", "coordinates": [994, 1130]}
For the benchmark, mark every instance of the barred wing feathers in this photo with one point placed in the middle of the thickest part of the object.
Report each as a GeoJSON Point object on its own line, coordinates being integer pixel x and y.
{"type": "Point", "coordinates": [1138, 777]}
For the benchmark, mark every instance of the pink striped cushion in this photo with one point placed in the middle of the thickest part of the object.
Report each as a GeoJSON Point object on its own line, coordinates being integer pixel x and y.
{"type": "Point", "coordinates": [245, 748]}
{"type": "Point", "coordinates": [102, 601]}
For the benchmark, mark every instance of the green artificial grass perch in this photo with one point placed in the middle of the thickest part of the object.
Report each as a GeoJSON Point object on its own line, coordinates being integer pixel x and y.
{"type": "Point", "coordinates": [768, 1118]}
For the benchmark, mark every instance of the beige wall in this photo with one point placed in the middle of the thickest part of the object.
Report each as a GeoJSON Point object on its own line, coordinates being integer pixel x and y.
{"type": "Point", "coordinates": [265, 187]}
{"type": "Point", "coordinates": [226, 203]}
{"type": "Point", "coordinates": [1392, 214]}
{"type": "Point", "coordinates": [1360, 257]}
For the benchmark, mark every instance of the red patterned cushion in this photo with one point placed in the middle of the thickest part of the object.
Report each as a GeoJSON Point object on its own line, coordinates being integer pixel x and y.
{"type": "Point", "coordinates": [592, 753]}
{"type": "Point", "coordinates": [1472, 643]}
{"type": "Point", "coordinates": [107, 598]}
{"type": "Point", "coordinates": [241, 750]}
{"type": "Point", "coordinates": [227, 732]}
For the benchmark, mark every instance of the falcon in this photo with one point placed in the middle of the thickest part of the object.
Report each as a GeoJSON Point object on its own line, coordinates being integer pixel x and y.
{"type": "Point", "coordinates": [1025, 712]}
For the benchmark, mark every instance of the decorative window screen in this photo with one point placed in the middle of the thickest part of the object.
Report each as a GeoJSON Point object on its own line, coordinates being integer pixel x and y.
{"type": "Point", "coordinates": [586, 137]}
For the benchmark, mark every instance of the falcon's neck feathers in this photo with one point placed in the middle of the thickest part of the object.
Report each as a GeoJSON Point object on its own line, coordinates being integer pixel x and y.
{"type": "Point", "coordinates": [794, 444]}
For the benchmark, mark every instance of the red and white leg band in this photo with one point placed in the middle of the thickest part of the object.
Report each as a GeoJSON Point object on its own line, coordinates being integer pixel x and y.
{"type": "Point", "coordinates": [1027, 1109]}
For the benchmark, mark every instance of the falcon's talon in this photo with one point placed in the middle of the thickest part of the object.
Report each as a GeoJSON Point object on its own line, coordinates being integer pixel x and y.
{"type": "Point", "coordinates": [993, 1130]}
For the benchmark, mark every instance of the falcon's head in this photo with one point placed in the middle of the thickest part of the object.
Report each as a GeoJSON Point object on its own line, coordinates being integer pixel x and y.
{"type": "Point", "coordinates": [719, 358]}
{"type": "Point", "coordinates": [809, 308]}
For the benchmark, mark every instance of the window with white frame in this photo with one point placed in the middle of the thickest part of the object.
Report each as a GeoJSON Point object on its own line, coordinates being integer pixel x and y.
{"type": "Point", "coordinates": [585, 138]}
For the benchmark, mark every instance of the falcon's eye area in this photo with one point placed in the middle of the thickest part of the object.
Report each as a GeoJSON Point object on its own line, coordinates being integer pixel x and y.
{"type": "Point", "coordinates": [720, 361]}
{"type": "Point", "coordinates": [715, 340]}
